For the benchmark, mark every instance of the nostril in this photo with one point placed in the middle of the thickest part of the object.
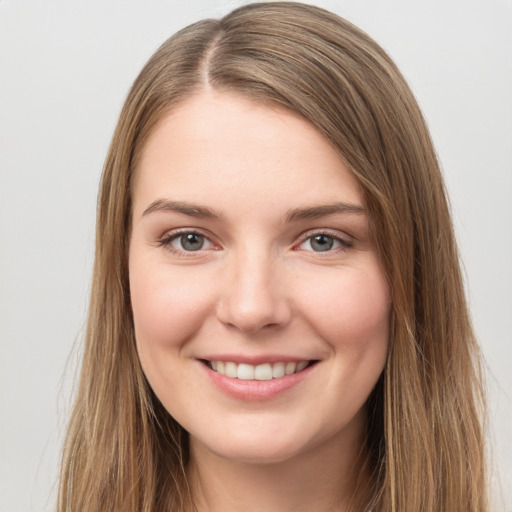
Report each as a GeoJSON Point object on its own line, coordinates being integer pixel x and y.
{"type": "Point", "coordinates": [252, 316]}
{"type": "Point", "coordinates": [251, 298]}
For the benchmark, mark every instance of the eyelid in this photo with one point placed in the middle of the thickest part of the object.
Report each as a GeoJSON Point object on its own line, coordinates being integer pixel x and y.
{"type": "Point", "coordinates": [345, 240]}
{"type": "Point", "coordinates": [168, 237]}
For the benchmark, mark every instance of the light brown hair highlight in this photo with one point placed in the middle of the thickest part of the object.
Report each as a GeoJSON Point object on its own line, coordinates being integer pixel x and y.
{"type": "Point", "coordinates": [425, 441]}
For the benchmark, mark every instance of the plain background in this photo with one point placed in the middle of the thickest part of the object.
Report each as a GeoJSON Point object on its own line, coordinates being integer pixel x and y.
{"type": "Point", "coordinates": [65, 68]}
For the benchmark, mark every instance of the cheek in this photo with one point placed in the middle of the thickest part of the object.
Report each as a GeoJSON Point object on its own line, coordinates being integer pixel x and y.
{"type": "Point", "coordinates": [168, 305]}
{"type": "Point", "coordinates": [169, 308]}
{"type": "Point", "coordinates": [352, 313]}
{"type": "Point", "coordinates": [353, 318]}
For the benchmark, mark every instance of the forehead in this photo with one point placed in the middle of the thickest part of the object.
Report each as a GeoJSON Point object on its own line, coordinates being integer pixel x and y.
{"type": "Point", "coordinates": [220, 146]}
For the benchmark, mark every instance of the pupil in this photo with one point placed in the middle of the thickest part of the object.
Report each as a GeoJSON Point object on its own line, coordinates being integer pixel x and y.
{"type": "Point", "coordinates": [322, 243]}
{"type": "Point", "coordinates": [192, 242]}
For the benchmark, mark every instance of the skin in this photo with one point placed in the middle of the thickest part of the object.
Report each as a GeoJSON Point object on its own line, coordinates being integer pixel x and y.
{"type": "Point", "coordinates": [257, 288]}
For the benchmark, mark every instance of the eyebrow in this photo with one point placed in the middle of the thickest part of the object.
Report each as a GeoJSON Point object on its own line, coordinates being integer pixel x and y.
{"type": "Point", "coordinates": [190, 209]}
{"type": "Point", "coordinates": [311, 212]}
{"type": "Point", "coordinates": [314, 212]}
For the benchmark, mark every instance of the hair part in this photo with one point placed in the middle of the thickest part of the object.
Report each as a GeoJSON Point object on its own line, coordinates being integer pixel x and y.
{"type": "Point", "coordinates": [425, 442]}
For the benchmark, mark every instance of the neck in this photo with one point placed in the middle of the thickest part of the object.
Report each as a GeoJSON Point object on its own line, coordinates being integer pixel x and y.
{"type": "Point", "coordinates": [330, 477]}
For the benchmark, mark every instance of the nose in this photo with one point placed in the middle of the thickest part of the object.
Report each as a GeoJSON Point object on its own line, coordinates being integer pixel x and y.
{"type": "Point", "coordinates": [253, 294]}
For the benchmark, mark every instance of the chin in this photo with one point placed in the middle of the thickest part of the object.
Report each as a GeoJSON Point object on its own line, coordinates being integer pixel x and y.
{"type": "Point", "coordinates": [257, 447]}
{"type": "Point", "coordinates": [256, 452]}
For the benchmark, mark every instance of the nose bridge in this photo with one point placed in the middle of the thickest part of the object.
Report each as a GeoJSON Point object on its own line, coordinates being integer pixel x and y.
{"type": "Point", "coordinates": [252, 296]}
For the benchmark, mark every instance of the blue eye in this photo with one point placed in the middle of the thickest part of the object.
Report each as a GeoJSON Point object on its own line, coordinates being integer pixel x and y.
{"type": "Point", "coordinates": [323, 243]}
{"type": "Point", "coordinates": [190, 241]}
{"type": "Point", "coordinates": [187, 242]}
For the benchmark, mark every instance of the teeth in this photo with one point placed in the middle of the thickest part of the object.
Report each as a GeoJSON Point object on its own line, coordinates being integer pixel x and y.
{"type": "Point", "coordinates": [230, 370]}
{"type": "Point", "coordinates": [245, 372]}
{"type": "Point", "coordinates": [301, 365]}
{"type": "Point", "coordinates": [290, 368]}
{"type": "Point", "coordinates": [264, 371]}
{"type": "Point", "coordinates": [278, 370]}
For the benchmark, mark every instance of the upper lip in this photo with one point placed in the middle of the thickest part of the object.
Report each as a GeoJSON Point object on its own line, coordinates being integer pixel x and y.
{"type": "Point", "coordinates": [256, 360]}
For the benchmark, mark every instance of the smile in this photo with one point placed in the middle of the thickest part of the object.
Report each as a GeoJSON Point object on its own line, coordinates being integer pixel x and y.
{"type": "Point", "coordinates": [265, 371]}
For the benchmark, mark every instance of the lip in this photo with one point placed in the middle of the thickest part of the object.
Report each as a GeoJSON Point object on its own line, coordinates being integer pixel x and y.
{"type": "Point", "coordinates": [255, 390]}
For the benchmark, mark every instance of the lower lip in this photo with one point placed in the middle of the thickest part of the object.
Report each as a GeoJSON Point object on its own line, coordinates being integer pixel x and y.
{"type": "Point", "coordinates": [256, 389]}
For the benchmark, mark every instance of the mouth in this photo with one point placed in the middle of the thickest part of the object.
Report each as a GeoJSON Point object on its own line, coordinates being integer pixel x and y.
{"type": "Point", "coordinates": [261, 372]}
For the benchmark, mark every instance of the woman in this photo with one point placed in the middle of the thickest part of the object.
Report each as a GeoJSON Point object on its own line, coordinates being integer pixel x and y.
{"type": "Point", "coordinates": [277, 319]}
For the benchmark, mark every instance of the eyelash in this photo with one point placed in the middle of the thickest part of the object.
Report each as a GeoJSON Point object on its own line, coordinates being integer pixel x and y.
{"type": "Point", "coordinates": [167, 241]}
{"type": "Point", "coordinates": [344, 244]}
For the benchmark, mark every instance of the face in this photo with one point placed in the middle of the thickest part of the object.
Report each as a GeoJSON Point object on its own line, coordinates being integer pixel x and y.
{"type": "Point", "coordinates": [261, 311]}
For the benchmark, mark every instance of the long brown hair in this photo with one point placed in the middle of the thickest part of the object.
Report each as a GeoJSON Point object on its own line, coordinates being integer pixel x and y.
{"type": "Point", "coordinates": [425, 442]}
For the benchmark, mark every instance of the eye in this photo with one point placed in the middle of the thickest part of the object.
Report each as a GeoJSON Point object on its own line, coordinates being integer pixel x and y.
{"type": "Point", "coordinates": [188, 241]}
{"type": "Point", "coordinates": [323, 242]}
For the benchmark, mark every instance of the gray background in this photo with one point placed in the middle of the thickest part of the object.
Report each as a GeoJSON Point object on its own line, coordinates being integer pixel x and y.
{"type": "Point", "coordinates": [65, 68]}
